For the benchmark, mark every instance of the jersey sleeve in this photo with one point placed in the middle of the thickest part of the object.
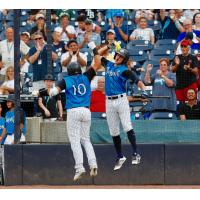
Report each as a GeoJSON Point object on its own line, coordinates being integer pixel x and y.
{"type": "Point", "coordinates": [61, 84]}
{"type": "Point", "coordinates": [130, 75]}
{"type": "Point", "coordinates": [90, 73]}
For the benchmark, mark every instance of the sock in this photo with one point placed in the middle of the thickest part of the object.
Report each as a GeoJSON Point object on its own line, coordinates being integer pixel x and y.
{"type": "Point", "coordinates": [117, 144]}
{"type": "Point", "coordinates": [132, 140]}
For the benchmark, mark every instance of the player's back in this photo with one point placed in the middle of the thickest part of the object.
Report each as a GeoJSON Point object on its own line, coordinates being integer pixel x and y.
{"type": "Point", "coordinates": [77, 91]}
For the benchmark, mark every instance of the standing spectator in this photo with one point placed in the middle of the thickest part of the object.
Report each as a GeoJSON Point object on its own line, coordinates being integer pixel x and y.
{"type": "Point", "coordinates": [88, 36]}
{"type": "Point", "coordinates": [120, 29]}
{"type": "Point", "coordinates": [171, 26]}
{"type": "Point", "coordinates": [67, 31]}
{"type": "Point", "coordinates": [189, 13]}
{"type": "Point", "coordinates": [191, 108]}
{"type": "Point", "coordinates": [110, 13]}
{"type": "Point", "coordinates": [185, 66]}
{"type": "Point", "coordinates": [163, 83]}
{"type": "Point", "coordinates": [143, 33]}
{"type": "Point", "coordinates": [7, 52]}
{"type": "Point", "coordinates": [40, 25]}
{"type": "Point", "coordinates": [8, 85]}
{"type": "Point", "coordinates": [196, 22]}
{"type": "Point", "coordinates": [38, 59]}
{"type": "Point", "coordinates": [73, 55]}
{"type": "Point", "coordinates": [2, 126]}
{"type": "Point", "coordinates": [98, 98]}
{"type": "Point", "coordinates": [8, 131]}
{"type": "Point", "coordinates": [51, 107]}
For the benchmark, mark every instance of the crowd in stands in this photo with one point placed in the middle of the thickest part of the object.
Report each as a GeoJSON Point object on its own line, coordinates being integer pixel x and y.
{"type": "Point", "coordinates": [163, 46]}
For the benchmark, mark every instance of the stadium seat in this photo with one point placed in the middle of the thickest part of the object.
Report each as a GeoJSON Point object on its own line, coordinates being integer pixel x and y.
{"type": "Point", "coordinates": [88, 53]}
{"type": "Point", "coordinates": [162, 115]}
{"type": "Point", "coordinates": [144, 45]}
{"type": "Point", "coordinates": [165, 53]}
{"type": "Point", "coordinates": [169, 42]}
{"type": "Point", "coordinates": [100, 115]}
{"type": "Point", "coordinates": [195, 51]}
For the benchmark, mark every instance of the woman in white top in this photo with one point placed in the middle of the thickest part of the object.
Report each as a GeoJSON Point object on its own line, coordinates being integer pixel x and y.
{"type": "Point", "coordinates": [8, 85]}
{"type": "Point", "coordinates": [143, 33]}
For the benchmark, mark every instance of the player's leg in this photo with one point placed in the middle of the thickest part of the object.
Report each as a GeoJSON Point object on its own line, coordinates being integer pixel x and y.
{"type": "Point", "coordinates": [73, 130]}
{"type": "Point", "coordinates": [113, 124]}
{"type": "Point", "coordinates": [124, 114]}
{"type": "Point", "coordinates": [85, 140]}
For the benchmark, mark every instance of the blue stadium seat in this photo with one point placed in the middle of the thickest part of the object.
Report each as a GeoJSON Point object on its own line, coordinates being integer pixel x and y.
{"type": "Point", "coordinates": [100, 115]}
{"type": "Point", "coordinates": [88, 53]}
{"type": "Point", "coordinates": [158, 57]}
{"type": "Point", "coordinates": [161, 52]}
{"type": "Point", "coordinates": [162, 115]}
{"type": "Point", "coordinates": [140, 44]}
{"type": "Point", "coordinates": [169, 42]}
{"type": "Point", "coordinates": [9, 16]}
{"type": "Point", "coordinates": [195, 51]}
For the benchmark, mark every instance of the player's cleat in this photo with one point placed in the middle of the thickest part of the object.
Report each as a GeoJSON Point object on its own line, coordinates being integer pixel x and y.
{"type": "Point", "coordinates": [119, 163]}
{"type": "Point", "coordinates": [93, 171]}
{"type": "Point", "coordinates": [78, 175]}
{"type": "Point", "coordinates": [136, 159]}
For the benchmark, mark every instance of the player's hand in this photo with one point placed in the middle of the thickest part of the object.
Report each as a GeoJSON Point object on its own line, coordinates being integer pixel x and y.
{"type": "Point", "coordinates": [177, 60]}
{"type": "Point", "coordinates": [149, 67]}
{"type": "Point", "coordinates": [47, 113]}
{"type": "Point", "coordinates": [144, 94]}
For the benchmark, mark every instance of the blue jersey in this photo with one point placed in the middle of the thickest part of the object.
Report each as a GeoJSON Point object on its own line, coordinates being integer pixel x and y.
{"type": "Point", "coordinates": [115, 82]}
{"type": "Point", "coordinates": [77, 91]}
{"type": "Point", "coordinates": [2, 126]}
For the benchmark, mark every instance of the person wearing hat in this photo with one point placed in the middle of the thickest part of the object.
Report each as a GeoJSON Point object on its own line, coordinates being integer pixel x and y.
{"type": "Point", "coordinates": [25, 37]}
{"type": "Point", "coordinates": [8, 131]}
{"type": "Point", "coordinates": [40, 25]}
{"type": "Point", "coordinates": [88, 36]}
{"type": "Point", "coordinates": [51, 107]}
{"type": "Point", "coordinates": [185, 66]}
{"type": "Point", "coordinates": [73, 55]}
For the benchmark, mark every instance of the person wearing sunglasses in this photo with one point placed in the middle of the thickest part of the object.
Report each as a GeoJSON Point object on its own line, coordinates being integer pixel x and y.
{"type": "Point", "coordinates": [185, 66]}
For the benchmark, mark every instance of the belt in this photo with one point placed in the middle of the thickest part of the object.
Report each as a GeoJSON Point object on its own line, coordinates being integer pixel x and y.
{"type": "Point", "coordinates": [115, 97]}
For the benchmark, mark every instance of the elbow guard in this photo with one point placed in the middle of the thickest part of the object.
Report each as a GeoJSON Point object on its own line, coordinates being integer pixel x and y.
{"type": "Point", "coordinates": [53, 91]}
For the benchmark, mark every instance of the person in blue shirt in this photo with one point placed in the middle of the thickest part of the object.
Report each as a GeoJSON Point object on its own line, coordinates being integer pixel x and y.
{"type": "Point", "coordinates": [8, 131]}
{"type": "Point", "coordinates": [2, 126]}
{"type": "Point", "coordinates": [78, 92]}
{"type": "Point", "coordinates": [117, 105]}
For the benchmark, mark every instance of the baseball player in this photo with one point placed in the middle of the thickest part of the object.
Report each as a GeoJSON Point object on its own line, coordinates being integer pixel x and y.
{"type": "Point", "coordinates": [117, 105]}
{"type": "Point", "coordinates": [77, 90]}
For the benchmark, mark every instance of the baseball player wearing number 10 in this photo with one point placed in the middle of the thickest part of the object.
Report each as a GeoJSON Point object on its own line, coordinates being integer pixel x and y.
{"type": "Point", "coordinates": [77, 90]}
{"type": "Point", "coordinates": [117, 105]}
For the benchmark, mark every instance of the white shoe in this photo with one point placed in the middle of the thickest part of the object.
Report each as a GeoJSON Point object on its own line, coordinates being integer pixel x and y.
{"type": "Point", "coordinates": [93, 171]}
{"type": "Point", "coordinates": [78, 175]}
{"type": "Point", "coordinates": [119, 163]}
{"type": "Point", "coordinates": [136, 159]}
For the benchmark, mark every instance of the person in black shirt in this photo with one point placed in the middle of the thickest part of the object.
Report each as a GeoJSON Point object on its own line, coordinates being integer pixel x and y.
{"type": "Point", "coordinates": [185, 66]}
{"type": "Point", "coordinates": [190, 109]}
{"type": "Point", "coordinates": [51, 107]}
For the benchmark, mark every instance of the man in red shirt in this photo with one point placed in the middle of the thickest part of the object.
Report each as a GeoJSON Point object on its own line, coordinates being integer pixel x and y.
{"type": "Point", "coordinates": [98, 97]}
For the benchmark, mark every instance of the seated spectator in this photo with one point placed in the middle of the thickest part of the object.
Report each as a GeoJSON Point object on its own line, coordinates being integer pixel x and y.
{"type": "Point", "coordinates": [8, 85]}
{"type": "Point", "coordinates": [8, 131]}
{"type": "Point", "coordinates": [25, 37]}
{"type": "Point", "coordinates": [98, 97]}
{"type": "Point", "coordinates": [67, 31]}
{"type": "Point", "coordinates": [88, 36]}
{"type": "Point", "coordinates": [73, 55]}
{"type": "Point", "coordinates": [171, 26]}
{"type": "Point", "coordinates": [143, 33]}
{"type": "Point", "coordinates": [187, 24]}
{"type": "Point", "coordinates": [39, 26]}
{"type": "Point", "coordinates": [185, 66]}
{"type": "Point", "coordinates": [51, 107]}
{"type": "Point", "coordinates": [191, 108]}
{"type": "Point", "coordinates": [37, 56]}
{"type": "Point", "coordinates": [196, 22]}
{"type": "Point", "coordinates": [163, 83]}
{"type": "Point", "coordinates": [2, 126]}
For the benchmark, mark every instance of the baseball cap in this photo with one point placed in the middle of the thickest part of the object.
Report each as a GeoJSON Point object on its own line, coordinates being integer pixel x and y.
{"type": "Point", "coordinates": [49, 77]}
{"type": "Point", "coordinates": [58, 29]}
{"type": "Point", "coordinates": [11, 97]}
{"type": "Point", "coordinates": [88, 21]}
{"type": "Point", "coordinates": [39, 15]}
{"type": "Point", "coordinates": [110, 31]}
{"type": "Point", "coordinates": [118, 14]}
{"type": "Point", "coordinates": [63, 14]}
{"type": "Point", "coordinates": [37, 34]}
{"type": "Point", "coordinates": [26, 33]}
{"type": "Point", "coordinates": [185, 43]}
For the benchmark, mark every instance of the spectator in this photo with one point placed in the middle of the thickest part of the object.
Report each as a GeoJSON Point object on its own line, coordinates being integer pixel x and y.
{"type": "Point", "coordinates": [143, 33]}
{"type": "Point", "coordinates": [163, 83]}
{"type": "Point", "coordinates": [88, 36]}
{"type": "Point", "coordinates": [120, 29]}
{"type": "Point", "coordinates": [73, 55]}
{"type": "Point", "coordinates": [189, 13]}
{"type": "Point", "coordinates": [51, 107]}
{"type": "Point", "coordinates": [110, 13]}
{"type": "Point", "coordinates": [92, 14]}
{"type": "Point", "coordinates": [40, 25]}
{"type": "Point", "coordinates": [2, 126]}
{"type": "Point", "coordinates": [7, 52]}
{"type": "Point", "coordinates": [98, 97]}
{"type": "Point", "coordinates": [171, 26]}
{"type": "Point", "coordinates": [8, 86]}
{"type": "Point", "coordinates": [37, 56]}
{"type": "Point", "coordinates": [185, 66]}
{"type": "Point", "coordinates": [25, 37]}
{"type": "Point", "coordinates": [196, 22]}
{"type": "Point", "coordinates": [191, 108]}
{"type": "Point", "coordinates": [8, 131]}
{"type": "Point", "coordinates": [67, 31]}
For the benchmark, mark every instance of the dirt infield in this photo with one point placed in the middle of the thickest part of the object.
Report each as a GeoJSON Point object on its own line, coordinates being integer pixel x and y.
{"type": "Point", "coordinates": [101, 187]}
